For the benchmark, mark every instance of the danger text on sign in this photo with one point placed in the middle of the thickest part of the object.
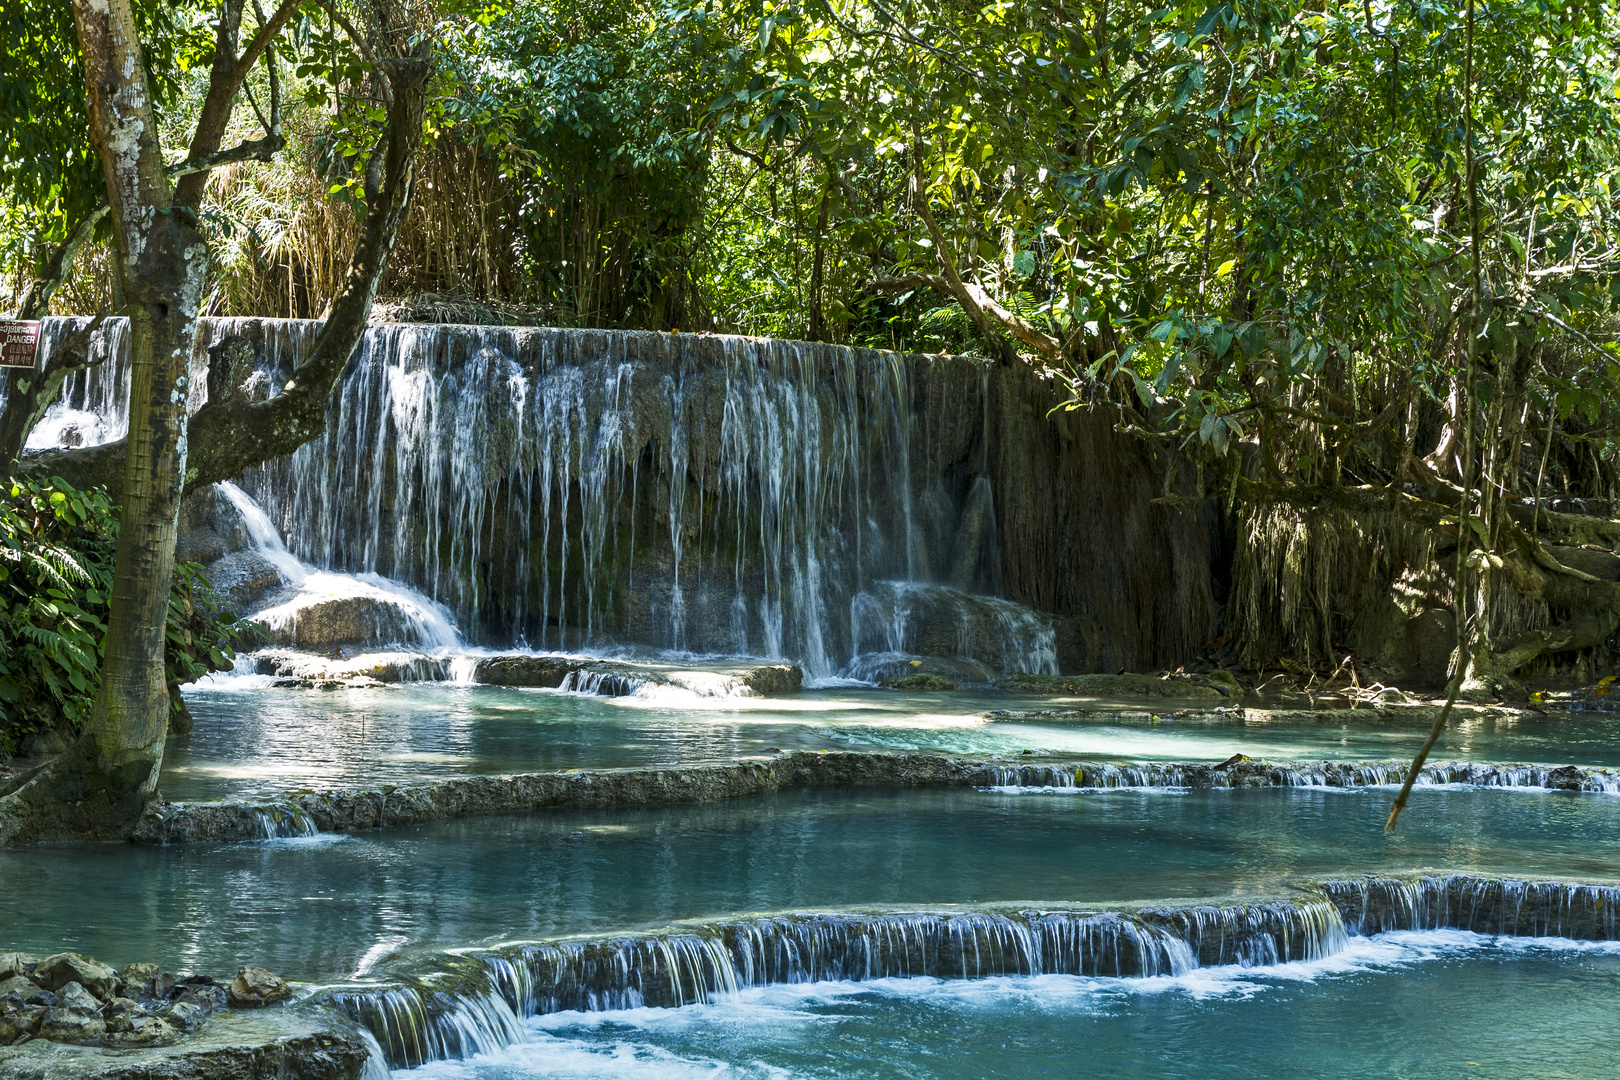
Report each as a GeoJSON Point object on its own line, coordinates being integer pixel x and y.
{"type": "Point", "coordinates": [19, 341]}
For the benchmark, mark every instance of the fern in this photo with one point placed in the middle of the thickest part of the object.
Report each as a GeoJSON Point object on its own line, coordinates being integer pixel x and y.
{"type": "Point", "coordinates": [56, 566]}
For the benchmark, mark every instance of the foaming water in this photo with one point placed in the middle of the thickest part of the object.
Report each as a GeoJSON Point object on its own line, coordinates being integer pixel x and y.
{"type": "Point", "coordinates": [978, 961]}
{"type": "Point", "coordinates": [1411, 1003]}
{"type": "Point", "coordinates": [398, 614]}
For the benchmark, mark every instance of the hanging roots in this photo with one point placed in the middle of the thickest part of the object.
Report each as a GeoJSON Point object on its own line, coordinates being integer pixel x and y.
{"type": "Point", "coordinates": [1307, 582]}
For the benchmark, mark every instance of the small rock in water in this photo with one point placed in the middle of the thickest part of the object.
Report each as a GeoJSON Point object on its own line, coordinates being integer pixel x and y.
{"type": "Point", "coordinates": [773, 679]}
{"type": "Point", "coordinates": [255, 987]}
{"type": "Point", "coordinates": [184, 1014]}
{"type": "Point", "coordinates": [56, 971]}
{"type": "Point", "coordinates": [1567, 778]}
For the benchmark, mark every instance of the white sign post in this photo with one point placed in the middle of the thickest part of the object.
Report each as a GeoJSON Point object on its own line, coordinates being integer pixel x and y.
{"type": "Point", "coordinates": [19, 343]}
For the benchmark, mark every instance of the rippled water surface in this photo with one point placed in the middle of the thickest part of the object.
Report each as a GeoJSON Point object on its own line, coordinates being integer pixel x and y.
{"type": "Point", "coordinates": [330, 907]}
{"type": "Point", "coordinates": [257, 741]}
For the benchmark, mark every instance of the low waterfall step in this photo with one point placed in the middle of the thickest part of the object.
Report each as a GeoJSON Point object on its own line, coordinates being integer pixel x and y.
{"type": "Point", "coordinates": [351, 666]}
{"type": "Point", "coordinates": [353, 810]}
{"type": "Point", "coordinates": [618, 678]}
{"type": "Point", "coordinates": [474, 1003]}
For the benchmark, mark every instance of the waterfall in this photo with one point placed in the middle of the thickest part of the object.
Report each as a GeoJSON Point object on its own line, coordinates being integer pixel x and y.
{"type": "Point", "coordinates": [564, 489]}
{"type": "Point", "coordinates": [1484, 905]}
{"type": "Point", "coordinates": [394, 613]}
{"type": "Point", "coordinates": [474, 1006]}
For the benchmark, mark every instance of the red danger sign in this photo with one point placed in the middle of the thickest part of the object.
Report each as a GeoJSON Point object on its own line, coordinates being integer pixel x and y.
{"type": "Point", "coordinates": [19, 341]}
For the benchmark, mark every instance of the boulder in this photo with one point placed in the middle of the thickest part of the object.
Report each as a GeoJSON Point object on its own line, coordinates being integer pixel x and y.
{"type": "Point", "coordinates": [57, 971]}
{"type": "Point", "coordinates": [773, 680]}
{"type": "Point", "coordinates": [184, 1014]}
{"type": "Point", "coordinates": [342, 620]}
{"type": "Point", "coordinates": [138, 975]}
{"type": "Point", "coordinates": [542, 671]}
{"type": "Point", "coordinates": [71, 1026]}
{"type": "Point", "coordinates": [15, 963]}
{"type": "Point", "coordinates": [1567, 778]}
{"type": "Point", "coordinates": [254, 987]}
{"type": "Point", "coordinates": [565, 672]}
{"type": "Point", "coordinates": [143, 1029]}
{"type": "Point", "coordinates": [20, 1022]}
{"type": "Point", "coordinates": [201, 544]}
{"type": "Point", "coordinates": [244, 578]}
{"type": "Point", "coordinates": [74, 996]}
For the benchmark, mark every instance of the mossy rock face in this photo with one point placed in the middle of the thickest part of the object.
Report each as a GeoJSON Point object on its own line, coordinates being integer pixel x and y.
{"type": "Point", "coordinates": [920, 680]}
{"type": "Point", "coordinates": [1108, 686]}
{"type": "Point", "coordinates": [772, 680]}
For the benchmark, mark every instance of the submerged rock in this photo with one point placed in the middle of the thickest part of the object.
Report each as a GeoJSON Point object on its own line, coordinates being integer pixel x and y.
{"type": "Point", "coordinates": [1110, 686]}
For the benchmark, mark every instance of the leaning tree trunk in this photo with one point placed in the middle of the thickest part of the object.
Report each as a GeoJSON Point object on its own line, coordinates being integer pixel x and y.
{"type": "Point", "coordinates": [100, 785]}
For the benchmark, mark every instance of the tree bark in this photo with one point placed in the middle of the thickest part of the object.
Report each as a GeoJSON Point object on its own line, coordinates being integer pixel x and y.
{"type": "Point", "coordinates": [99, 787]}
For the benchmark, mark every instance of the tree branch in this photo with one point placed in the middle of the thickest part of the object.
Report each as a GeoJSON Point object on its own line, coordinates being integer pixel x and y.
{"type": "Point", "coordinates": [229, 435]}
{"type": "Point", "coordinates": [227, 76]}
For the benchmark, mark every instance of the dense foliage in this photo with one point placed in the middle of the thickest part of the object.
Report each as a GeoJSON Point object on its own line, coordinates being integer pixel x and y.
{"type": "Point", "coordinates": [56, 565]}
{"type": "Point", "coordinates": [1301, 247]}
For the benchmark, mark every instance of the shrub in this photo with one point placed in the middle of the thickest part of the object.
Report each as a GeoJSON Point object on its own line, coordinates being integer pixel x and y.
{"type": "Point", "coordinates": [56, 569]}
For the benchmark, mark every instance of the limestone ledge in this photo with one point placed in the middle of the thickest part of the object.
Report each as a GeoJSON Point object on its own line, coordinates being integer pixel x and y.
{"type": "Point", "coordinates": [283, 1046]}
{"type": "Point", "coordinates": [344, 811]}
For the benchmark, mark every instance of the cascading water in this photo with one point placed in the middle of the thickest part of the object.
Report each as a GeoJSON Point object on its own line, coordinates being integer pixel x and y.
{"type": "Point", "coordinates": [563, 488]}
{"type": "Point", "coordinates": [474, 1007]}
{"type": "Point", "coordinates": [396, 614]}
{"type": "Point", "coordinates": [1484, 905]}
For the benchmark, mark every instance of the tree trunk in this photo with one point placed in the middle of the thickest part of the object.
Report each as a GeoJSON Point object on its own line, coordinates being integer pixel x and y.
{"type": "Point", "coordinates": [229, 433]}
{"type": "Point", "coordinates": [99, 787]}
